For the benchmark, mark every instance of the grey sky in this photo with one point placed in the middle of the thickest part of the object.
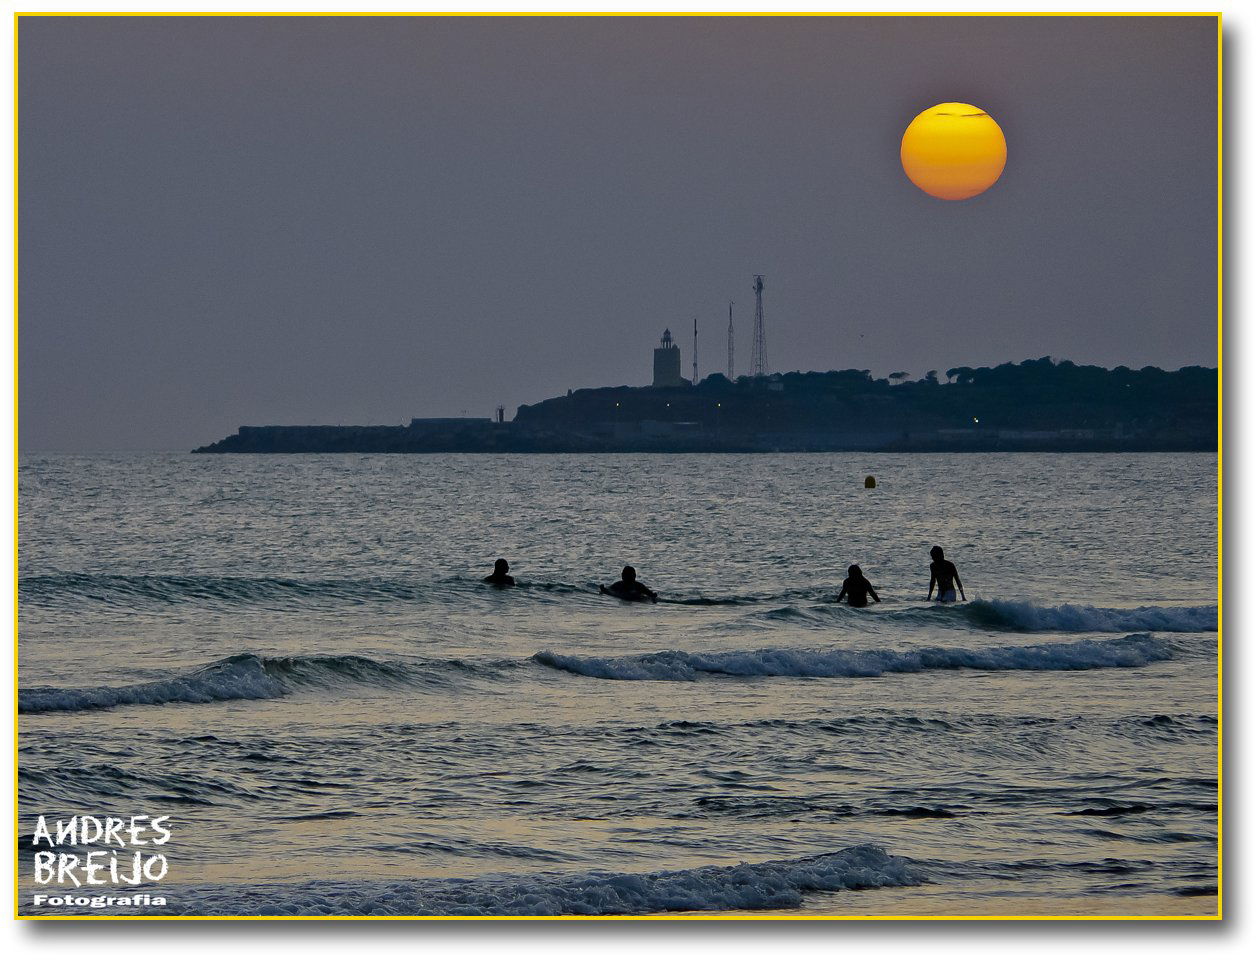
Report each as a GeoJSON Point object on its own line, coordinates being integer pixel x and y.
{"type": "Point", "coordinates": [230, 221]}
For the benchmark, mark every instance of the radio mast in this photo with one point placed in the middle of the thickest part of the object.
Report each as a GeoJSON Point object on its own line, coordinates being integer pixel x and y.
{"type": "Point", "coordinates": [695, 351]}
{"type": "Point", "coordinates": [759, 361]}
{"type": "Point", "coordinates": [730, 341]}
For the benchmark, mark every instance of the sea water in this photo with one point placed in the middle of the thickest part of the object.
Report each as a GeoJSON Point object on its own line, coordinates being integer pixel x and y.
{"type": "Point", "coordinates": [294, 660]}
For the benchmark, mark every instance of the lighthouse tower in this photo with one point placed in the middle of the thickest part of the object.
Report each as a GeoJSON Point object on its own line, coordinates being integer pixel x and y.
{"type": "Point", "coordinates": [667, 363]}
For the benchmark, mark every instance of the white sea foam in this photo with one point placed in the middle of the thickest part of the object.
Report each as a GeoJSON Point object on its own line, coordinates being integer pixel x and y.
{"type": "Point", "coordinates": [775, 884]}
{"type": "Point", "coordinates": [1132, 651]}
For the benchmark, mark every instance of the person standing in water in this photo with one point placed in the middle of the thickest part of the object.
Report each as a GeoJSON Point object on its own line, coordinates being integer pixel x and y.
{"type": "Point", "coordinates": [500, 576]}
{"type": "Point", "coordinates": [944, 576]}
{"type": "Point", "coordinates": [855, 588]}
{"type": "Point", "coordinates": [629, 587]}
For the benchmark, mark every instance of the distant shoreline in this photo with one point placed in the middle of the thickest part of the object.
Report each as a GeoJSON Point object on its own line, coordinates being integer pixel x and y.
{"type": "Point", "coordinates": [227, 446]}
{"type": "Point", "coordinates": [1044, 405]}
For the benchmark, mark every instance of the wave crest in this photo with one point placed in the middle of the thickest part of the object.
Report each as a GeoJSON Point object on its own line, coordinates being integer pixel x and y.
{"type": "Point", "coordinates": [1013, 616]}
{"type": "Point", "coordinates": [130, 591]}
{"type": "Point", "coordinates": [246, 676]}
{"type": "Point", "coordinates": [1082, 618]}
{"type": "Point", "coordinates": [1136, 650]}
{"type": "Point", "coordinates": [775, 884]}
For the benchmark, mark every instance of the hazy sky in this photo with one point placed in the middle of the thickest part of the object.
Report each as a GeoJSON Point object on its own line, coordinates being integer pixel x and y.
{"type": "Point", "coordinates": [251, 221]}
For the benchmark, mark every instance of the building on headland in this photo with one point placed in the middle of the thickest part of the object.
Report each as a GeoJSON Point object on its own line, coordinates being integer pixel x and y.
{"type": "Point", "coordinates": [667, 363]}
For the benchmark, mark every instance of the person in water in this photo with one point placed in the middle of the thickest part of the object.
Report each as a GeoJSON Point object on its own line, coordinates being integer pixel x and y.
{"type": "Point", "coordinates": [629, 587]}
{"type": "Point", "coordinates": [500, 576]}
{"type": "Point", "coordinates": [944, 576]}
{"type": "Point", "coordinates": [855, 588]}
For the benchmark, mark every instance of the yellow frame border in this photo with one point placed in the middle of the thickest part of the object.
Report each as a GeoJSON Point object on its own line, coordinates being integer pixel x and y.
{"type": "Point", "coordinates": [1220, 537]}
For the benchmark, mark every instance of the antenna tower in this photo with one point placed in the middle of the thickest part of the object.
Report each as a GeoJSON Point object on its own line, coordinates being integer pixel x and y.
{"type": "Point", "coordinates": [695, 350]}
{"type": "Point", "coordinates": [759, 361]}
{"type": "Point", "coordinates": [730, 341]}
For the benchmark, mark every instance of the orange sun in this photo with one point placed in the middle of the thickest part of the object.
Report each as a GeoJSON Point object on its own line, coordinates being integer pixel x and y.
{"type": "Point", "coordinates": [953, 151]}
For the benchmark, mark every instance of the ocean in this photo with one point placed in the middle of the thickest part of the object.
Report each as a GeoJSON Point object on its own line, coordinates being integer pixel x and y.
{"type": "Point", "coordinates": [294, 660]}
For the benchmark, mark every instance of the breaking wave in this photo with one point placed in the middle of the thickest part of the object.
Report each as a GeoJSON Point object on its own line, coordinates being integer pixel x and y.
{"type": "Point", "coordinates": [1136, 650]}
{"type": "Point", "coordinates": [775, 884]}
{"type": "Point", "coordinates": [1015, 616]}
{"type": "Point", "coordinates": [1081, 618]}
{"type": "Point", "coordinates": [246, 676]}
{"type": "Point", "coordinates": [249, 676]}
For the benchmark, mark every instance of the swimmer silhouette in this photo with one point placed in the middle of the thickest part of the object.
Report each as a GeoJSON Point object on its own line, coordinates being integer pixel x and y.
{"type": "Point", "coordinates": [628, 587]}
{"type": "Point", "coordinates": [500, 576]}
{"type": "Point", "coordinates": [944, 576]}
{"type": "Point", "coordinates": [855, 588]}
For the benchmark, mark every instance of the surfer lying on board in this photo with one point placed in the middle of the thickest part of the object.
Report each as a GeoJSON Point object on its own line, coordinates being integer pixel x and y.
{"type": "Point", "coordinates": [628, 587]}
{"type": "Point", "coordinates": [855, 588]}
{"type": "Point", "coordinates": [944, 576]}
{"type": "Point", "coordinates": [500, 576]}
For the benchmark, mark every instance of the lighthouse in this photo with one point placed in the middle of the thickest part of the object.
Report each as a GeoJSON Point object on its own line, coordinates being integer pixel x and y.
{"type": "Point", "coordinates": [667, 363]}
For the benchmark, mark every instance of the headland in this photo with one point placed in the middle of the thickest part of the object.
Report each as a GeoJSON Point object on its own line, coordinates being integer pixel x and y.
{"type": "Point", "coordinates": [1036, 405]}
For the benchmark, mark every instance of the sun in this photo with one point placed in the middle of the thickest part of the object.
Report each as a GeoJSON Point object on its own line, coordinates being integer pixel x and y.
{"type": "Point", "coordinates": [953, 151]}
